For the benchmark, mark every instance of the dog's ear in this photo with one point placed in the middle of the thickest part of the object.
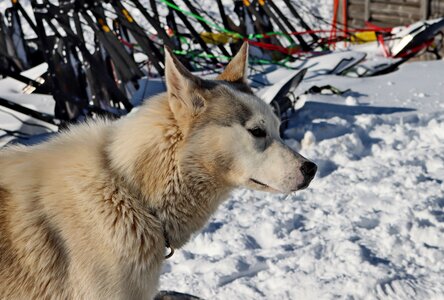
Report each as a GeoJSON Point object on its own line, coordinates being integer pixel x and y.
{"type": "Point", "coordinates": [236, 70]}
{"type": "Point", "coordinates": [181, 88]}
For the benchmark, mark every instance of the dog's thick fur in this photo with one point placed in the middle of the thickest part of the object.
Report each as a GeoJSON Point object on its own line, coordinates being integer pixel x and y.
{"type": "Point", "coordinates": [87, 214]}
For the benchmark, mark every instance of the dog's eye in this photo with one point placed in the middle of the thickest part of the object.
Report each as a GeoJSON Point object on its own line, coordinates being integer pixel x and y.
{"type": "Point", "coordinates": [257, 132]}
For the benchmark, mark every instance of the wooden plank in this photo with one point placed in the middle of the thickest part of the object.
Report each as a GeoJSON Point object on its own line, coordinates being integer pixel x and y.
{"type": "Point", "coordinates": [392, 12]}
{"type": "Point", "coordinates": [425, 9]}
{"type": "Point", "coordinates": [391, 20]}
{"type": "Point", "coordinates": [357, 5]}
{"type": "Point", "coordinates": [360, 19]}
{"type": "Point", "coordinates": [355, 11]}
{"type": "Point", "coordinates": [395, 10]}
{"type": "Point", "coordinates": [391, 17]}
{"type": "Point", "coordinates": [437, 8]}
{"type": "Point", "coordinates": [367, 10]}
{"type": "Point", "coordinates": [380, 7]}
{"type": "Point", "coordinates": [399, 2]}
{"type": "Point", "coordinates": [357, 24]}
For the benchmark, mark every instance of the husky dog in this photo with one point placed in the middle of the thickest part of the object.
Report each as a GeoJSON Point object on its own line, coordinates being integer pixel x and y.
{"type": "Point", "coordinates": [88, 214]}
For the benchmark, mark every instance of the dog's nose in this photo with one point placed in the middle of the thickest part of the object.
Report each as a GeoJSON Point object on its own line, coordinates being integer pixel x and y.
{"type": "Point", "coordinates": [309, 169]}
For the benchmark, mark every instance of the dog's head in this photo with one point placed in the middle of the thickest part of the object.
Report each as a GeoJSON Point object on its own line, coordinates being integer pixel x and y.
{"type": "Point", "coordinates": [231, 133]}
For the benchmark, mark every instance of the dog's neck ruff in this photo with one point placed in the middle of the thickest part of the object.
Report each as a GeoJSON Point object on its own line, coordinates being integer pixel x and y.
{"type": "Point", "coordinates": [151, 172]}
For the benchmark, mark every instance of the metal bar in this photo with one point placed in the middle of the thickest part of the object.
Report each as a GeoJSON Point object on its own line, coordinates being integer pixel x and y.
{"type": "Point", "coordinates": [156, 25]}
{"type": "Point", "coordinates": [297, 16]}
{"type": "Point", "coordinates": [29, 112]}
{"type": "Point", "coordinates": [25, 15]}
{"type": "Point", "coordinates": [301, 41]}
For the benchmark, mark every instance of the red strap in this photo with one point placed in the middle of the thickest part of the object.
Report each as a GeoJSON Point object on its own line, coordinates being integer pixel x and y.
{"type": "Point", "coordinates": [126, 43]}
{"type": "Point", "coordinates": [384, 47]}
{"type": "Point", "coordinates": [288, 51]}
{"type": "Point", "coordinates": [416, 49]}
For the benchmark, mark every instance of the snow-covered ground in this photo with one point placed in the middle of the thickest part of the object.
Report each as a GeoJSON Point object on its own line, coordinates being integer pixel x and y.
{"type": "Point", "coordinates": [370, 226]}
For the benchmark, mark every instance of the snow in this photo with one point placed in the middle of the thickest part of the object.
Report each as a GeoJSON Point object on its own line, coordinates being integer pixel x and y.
{"type": "Point", "coordinates": [11, 90]}
{"type": "Point", "coordinates": [371, 224]}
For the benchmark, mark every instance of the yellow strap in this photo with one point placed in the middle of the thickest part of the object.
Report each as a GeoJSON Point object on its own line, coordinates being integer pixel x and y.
{"type": "Point", "coordinates": [127, 15]}
{"type": "Point", "coordinates": [103, 25]}
{"type": "Point", "coordinates": [363, 37]}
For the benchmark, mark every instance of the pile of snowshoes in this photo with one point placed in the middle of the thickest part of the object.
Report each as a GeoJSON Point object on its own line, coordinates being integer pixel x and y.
{"type": "Point", "coordinates": [101, 58]}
